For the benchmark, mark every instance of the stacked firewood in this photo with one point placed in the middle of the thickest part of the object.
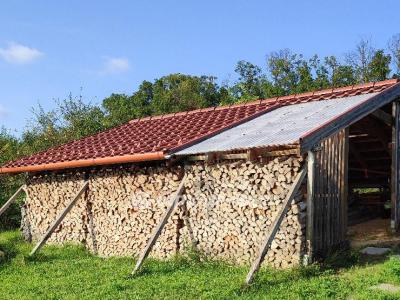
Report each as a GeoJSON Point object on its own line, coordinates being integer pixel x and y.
{"type": "Point", "coordinates": [126, 206]}
{"type": "Point", "coordinates": [231, 207]}
{"type": "Point", "coordinates": [228, 211]}
{"type": "Point", "coordinates": [47, 196]}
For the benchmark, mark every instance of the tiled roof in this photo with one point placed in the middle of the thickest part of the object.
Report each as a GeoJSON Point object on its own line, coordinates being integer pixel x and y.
{"type": "Point", "coordinates": [169, 133]}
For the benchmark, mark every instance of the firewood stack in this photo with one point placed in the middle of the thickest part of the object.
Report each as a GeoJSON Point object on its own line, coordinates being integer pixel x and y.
{"type": "Point", "coordinates": [230, 207]}
{"type": "Point", "coordinates": [47, 196]}
{"type": "Point", "coordinates": [127, 205]}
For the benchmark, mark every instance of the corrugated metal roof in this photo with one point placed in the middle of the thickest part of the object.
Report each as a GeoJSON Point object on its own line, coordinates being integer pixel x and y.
{"type": "Point", "coordinates": [281, 126]}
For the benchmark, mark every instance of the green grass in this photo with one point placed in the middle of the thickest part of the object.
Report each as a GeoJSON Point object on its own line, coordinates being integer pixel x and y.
{"type": "Point", "coordinates": [72, 273]}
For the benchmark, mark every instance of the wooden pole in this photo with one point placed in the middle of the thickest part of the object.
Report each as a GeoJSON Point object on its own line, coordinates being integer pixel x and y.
{"type": "Point", "coordinates": [12, 199]}
{"type": "Point", "coordinates": [157, 231]}
{"type": "Point", "coordinates": [395, 167]}
{"type": "Point", "coordinates": [275, 226]}
{"type": "Point", "coordinates": [59, 219]}
{"type": "Point", "coordinates": [310, 205]}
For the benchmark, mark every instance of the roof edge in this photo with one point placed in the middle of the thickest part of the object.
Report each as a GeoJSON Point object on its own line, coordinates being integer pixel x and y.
{"type": "Point", "coordinates": [310, 138]}
{"type": "Point", "coordinates": [150, 156]}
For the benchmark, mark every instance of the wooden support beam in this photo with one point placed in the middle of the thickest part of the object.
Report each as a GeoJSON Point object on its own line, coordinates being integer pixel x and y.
{"type": "Point", "coordinates": [59, 219]}
{"type": "Point", "coordinates": [275, 226]}
{"type": "Point", "coordinates": [395, 201]}
{"type": "Point", "coordinates": [360, 159]}
{"type": "Point", "coordinates": [383, 116]}
{"type": "Point", "coordinates": [12, 199]}
{"type": "Point", "coordinates": [247, 155]}
{"type": "Point", "coordinates": [310, 205]}
{"type": "Point", "coordinates": [157, 231]}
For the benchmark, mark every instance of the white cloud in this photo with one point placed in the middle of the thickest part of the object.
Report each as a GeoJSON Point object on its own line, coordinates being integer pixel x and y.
{"type": "Point", "coordinates": [3, 112]}
{"type": "Point", "coordinates": [19, 54]}
{"type": "Point", "coordinates": [115, 65]}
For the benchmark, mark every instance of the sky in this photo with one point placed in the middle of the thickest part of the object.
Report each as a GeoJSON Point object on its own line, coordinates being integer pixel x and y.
{"type": "Point", "coordinates": [49, 49]}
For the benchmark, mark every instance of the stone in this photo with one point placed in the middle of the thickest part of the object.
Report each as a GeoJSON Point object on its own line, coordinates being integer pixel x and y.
{"type": "Point", "coordinates": [2, 254]}
{"type": "Point", "coordinates": [387, 287]}
{"type": "Point", "coordinates": [375, 251]}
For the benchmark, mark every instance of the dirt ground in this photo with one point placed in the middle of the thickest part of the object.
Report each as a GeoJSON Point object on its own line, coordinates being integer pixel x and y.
{"type": "Point", "coordinates": [372, 232]}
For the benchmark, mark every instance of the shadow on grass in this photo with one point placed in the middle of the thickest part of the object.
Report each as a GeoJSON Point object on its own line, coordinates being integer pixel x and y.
{"type": "Point", "coordinates": [9, 247]}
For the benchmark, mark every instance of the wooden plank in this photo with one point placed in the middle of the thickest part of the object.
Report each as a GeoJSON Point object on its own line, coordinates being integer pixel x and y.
{"type": "Point", "coordinates": [310, 206]}
{"type": "Point", "coordinates": [350, 117]}
{"type": "Point", "coordinates": [394, 224]}
{"type": "Point", "coordinates": [344, 183]}
{"type": "Point", "coordinates": [383, 116]}
{"type": "Point", "coordinates": [157, 231]}
{"type": "Point", "coordinates": [275, 225]}
{"type": "Point", "coordinates": [249, 155]}
{"type": "Point", "coordinates": [59, 219]}
{"type": "Point", "coordinates": [12, 199]}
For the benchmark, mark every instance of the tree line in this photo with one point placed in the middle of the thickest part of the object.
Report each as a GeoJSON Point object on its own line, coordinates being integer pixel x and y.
{"type": "Point", "coordinates": [283, 73]}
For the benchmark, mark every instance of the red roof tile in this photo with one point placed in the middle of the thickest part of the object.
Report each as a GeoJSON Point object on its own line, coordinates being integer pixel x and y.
{"type": "Point", "coordinates": [171, 132]}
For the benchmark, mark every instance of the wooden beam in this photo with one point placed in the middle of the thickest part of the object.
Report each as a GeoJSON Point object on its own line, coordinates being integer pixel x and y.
{"type": "Point", "coordinates": [394, 224]}
{"type": "Point", "coordinates": [383, 116]}
{"type": "Point", "coordinates": [350, 117]}
{"type": "Point", "coordinates": [344, 185]}
{"type": "Point", "coordinates": [59, 219]}
{"type": "Point", "coordinates": [275, 226]}
{"type": "Point", "coordinates": [359, 159]}
{"type": "Point", "coordinates": [157, 231]}
{"type": "Point", "coordinates": [12, 199]}
{"type": "Point", "coordinates": [310, 205]}
{"type": "Point", "coordinates": [236, 156]}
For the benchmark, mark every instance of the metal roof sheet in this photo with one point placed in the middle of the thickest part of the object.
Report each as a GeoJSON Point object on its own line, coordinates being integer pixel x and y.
{"type": "Point", "coordinates": [281, 126]}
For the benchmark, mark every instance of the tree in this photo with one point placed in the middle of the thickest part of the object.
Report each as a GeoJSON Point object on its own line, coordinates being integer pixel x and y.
{"type": "Point", "coordinates": [282, 68]}
{"type": "Point", "coordinates": [340, 75]}
{"type": "Point", "coordinates": [178, 92]}
{"type": "Point", "coordinates": [394, 48]}
{"type": "Point", "coordinates": [250, 81]}
{"type": "Point", "coordinates": [360, 59]}
{"type": "Point", "coordinates": [379, 66]}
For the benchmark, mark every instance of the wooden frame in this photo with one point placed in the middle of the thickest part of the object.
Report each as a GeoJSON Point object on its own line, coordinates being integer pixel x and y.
{"type": "Point", "coordinates": [12, 199]}
{"type": "Point", "coordinates": [157, 231]}
{"type": "Point", "coordinates": [59, 219]}
{"type": "Point", "coordinates": [275, 225]}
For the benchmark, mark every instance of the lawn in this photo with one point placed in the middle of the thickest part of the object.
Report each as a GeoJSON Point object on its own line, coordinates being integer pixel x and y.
{"type": "Point", "coordinates": [70, 272]}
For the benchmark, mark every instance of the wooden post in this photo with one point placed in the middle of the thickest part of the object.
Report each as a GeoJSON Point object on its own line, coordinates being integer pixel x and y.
{"type": "Point", "coordinates": [59, 219]}
{"type": "Point", "coordinates": [344, 185]}
{"type": "Point", "coordinates": [12, 199]}
{"type": "Point", "coordinates": [157, 231]}
{"type": "Point", "coordinates": [310, 206]}
{"type": "Point", "coordinates": [394, 224]}
{"type": "Point", "coordinates": [275, 226]}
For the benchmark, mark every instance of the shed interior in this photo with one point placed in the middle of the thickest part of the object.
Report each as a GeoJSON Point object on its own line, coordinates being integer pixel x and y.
{"type": "Point", "coordinates": [369, 177]}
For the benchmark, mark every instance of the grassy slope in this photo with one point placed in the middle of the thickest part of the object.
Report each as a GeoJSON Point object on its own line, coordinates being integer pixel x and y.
{"type": "Point", "coordinates": [72, 273]}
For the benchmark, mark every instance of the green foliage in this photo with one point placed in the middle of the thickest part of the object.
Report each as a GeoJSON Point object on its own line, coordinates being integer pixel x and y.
{"type": "Point", "coordinates": [379, 66]}
{"type": "Point", "coordinates": [69, 272]}
{"type": "Point", "coordinates": [178, 92]}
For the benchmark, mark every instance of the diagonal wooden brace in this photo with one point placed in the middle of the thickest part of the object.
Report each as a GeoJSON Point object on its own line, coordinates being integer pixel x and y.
{"type": "Point", "coordinates": [12, 199]}
{"type": "Point", "coordinates": [157, 231]}
{"type": "Point", "coordinates": [275, 226]}
{"type": "Point", "coordinates": [59, 219]}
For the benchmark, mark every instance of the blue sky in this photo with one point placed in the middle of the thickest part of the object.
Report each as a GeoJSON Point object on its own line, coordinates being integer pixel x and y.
{"type": "Point", "coordinates": [49, 49]}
